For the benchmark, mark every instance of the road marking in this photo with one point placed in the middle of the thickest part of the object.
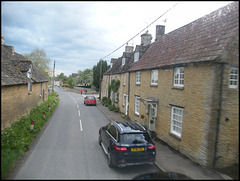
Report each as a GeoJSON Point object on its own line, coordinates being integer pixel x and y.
{"type": "Point", "coordinates": [77, 106]}
{"type": "Point", "coordinates": [80, 122]}
{"type": "Point", "coordinates": [79, 113]}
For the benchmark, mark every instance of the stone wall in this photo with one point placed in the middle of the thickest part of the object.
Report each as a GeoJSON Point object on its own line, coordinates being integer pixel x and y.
{"type": "Point", "coordinates": [17, 101]}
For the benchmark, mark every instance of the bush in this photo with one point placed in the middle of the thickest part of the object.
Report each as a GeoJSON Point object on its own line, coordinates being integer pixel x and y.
{"type": "Point", "coordinates": [15, 140]}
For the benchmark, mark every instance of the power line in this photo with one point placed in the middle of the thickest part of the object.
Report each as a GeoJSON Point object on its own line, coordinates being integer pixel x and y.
{"type": "Point", "coordinates": [141, 31]}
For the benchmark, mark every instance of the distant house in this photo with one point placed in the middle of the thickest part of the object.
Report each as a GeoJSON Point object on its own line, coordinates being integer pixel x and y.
{"type": "Point", "coordinates": [185, 87]}
{"type": "Point", "coordinates": [23, 85]}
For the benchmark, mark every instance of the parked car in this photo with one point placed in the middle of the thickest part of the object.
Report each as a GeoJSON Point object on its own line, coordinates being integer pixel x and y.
{"type": "Point", "coordinates": [90, 100]}
{"type": "Point", "coordinates": [126, 143]}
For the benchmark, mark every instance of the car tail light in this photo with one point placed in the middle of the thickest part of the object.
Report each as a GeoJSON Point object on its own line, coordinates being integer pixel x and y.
{"type": "Point", "coordinates": [151, 147]}
{"type": "Point", "coordinates": [119, 148]}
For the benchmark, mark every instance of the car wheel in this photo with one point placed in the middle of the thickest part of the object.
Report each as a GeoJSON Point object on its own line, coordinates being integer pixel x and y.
{"type": "Point", "coordinates": [110, 163]}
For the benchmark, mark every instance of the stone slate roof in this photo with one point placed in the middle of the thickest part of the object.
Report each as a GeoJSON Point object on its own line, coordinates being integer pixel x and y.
{"type": "Point", "coordinates": [202, 40]}
{"type": "Point", "coordinates": [117, 66]}
{"type": "Point", "coordinates": [14, 68]}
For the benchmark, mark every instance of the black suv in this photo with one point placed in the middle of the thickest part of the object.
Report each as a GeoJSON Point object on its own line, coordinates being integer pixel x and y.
{"type": "Point", "coordinates": [126, 143]}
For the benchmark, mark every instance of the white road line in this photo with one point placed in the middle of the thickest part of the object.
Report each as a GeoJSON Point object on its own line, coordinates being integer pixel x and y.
{"type": "Point", "coordinates": [80, 122]}
{"type": "Point", "coordinates": [79, 113]}
{"type": "Point", "coordinates": [77, 106]}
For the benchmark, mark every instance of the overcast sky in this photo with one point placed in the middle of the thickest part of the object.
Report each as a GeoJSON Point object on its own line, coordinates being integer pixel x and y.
{"type": "Point", "coordinates": [78, 34]}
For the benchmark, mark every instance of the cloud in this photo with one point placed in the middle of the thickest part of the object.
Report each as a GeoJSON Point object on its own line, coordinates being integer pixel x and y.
{"type": "Point", "coordinates": [77, 34]}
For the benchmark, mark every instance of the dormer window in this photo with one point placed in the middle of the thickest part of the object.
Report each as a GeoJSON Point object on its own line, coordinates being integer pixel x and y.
{"type": "Point", "coordinates": [136, 56]}
{"type": "Point", "coordinates": [123, 61]}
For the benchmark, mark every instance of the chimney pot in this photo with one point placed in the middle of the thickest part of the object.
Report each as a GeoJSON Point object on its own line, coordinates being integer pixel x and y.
{"type": "Point", "coordinates": [128, 49]}
{"type": "Point", "coordinates": [146, 39]}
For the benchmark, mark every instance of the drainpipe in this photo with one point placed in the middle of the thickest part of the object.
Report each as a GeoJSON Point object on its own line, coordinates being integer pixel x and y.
{"type": "Point", "coordinates": [218, 116]}
{"type": "Point", "coordinates": [128, 92]}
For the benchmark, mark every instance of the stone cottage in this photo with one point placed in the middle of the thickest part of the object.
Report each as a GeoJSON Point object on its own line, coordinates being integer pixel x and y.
{"type": "Point", "coordinates": [23, 85]}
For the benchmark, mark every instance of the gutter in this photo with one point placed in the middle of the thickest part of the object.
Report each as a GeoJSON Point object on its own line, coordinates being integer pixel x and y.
{"type": "Point", "coordinates": [218, 116]}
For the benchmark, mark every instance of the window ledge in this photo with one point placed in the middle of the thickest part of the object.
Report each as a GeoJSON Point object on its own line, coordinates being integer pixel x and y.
{"type": "Point", "coordinates": [175, 136]}
{"type": "Point", "coordinates": [137, 84]}
{"type": "Point", "coordinates": [177, 87]}
{"type": "Point", "coordinates": [30, 92]}
{"type": "Point", "coordinates": [154, 85]}
{"type": "Point", "coordinates": [136, 114]}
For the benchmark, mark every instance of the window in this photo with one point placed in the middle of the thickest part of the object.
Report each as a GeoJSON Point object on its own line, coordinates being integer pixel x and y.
{"type": "Point", "coordinates": [107, 80]}
{"type": "Point", "coordinates": [136, 56]}
{"type": "Point", "coordinates": [124, 79]}
{"type": "Point", "coordinates": [123, 61]}
{"type": "Point", "coordinates": [179, 77]}
{"type": "Point", "coordinates": [116, 98]}
{"type": "Point", "coordinates": [137, 103]}
{"type": "Point", "coordinates": [233, 81]}
{"type": "Point", "coordinates": [40, 89]}
{"type": "Point", "coordinates": [154, 77]}
{"type": "Point", "coordinates": [176, 121]}
{"type": "Point", "coordinates": [138, 77]}
{"type": "Point", "coordinates": [113, 132]}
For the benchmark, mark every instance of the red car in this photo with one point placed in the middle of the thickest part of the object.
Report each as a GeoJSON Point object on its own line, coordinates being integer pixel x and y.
{"type": "Point", "coordinates": [90, 100]}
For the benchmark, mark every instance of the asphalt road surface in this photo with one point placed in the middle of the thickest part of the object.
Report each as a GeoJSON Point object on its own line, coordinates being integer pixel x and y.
{"type": "Point", "coordinates": [68, 148]}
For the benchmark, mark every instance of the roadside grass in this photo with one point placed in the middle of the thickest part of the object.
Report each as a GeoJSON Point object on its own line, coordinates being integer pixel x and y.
{"type": "Point", "coordinates": [15, 140]}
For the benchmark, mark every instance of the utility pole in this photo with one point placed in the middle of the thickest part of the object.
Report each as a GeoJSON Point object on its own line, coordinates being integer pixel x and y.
{"type": "Point", "coordinates": [53, 76]}
{"type": "Point", "coordinates": [100, 78]}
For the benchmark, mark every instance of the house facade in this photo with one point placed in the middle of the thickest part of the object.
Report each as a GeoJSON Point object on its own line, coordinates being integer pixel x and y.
{"type": "Point", "coordinates": [188, 93]}
{"type": "Point", "coordinates": [185, 88]}
{"type": "Point", "coordinates": [23, 86]}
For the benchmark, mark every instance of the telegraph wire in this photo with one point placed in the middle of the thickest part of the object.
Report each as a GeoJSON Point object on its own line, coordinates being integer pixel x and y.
{"type": "Point", "coordinates": [141, 31]}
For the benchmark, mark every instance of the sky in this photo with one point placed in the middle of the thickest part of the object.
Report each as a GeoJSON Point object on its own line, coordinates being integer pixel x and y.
{"type": "Point", "coordinates": [77, 34]}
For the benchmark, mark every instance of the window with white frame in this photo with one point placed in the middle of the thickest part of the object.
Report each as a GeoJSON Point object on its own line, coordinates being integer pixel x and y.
{"type": "Point", "coordinates": [123, 61]}
{"type": "Point", "coordinates": [137, 104]}
{"type": "Point", "coordinates": [233, 79]}
{"type": "Point", "coordinates": [136, 56]}
{"type": "Point", "coordinates": [154, 77]}
{"type": "Point", "coordinates": [138, 77]}
{"type": "Point", "coordinates": [107, 79]}
{"type": "Point", "coordinates": [123, 101]}
{"type": "Point", "coordinates": [40, 89]}
{"type": "Point", "coordinates": [124, 79]}
{"type": "Point", "coordinates": [116, 98]}
{"type": "Point", "coordinates": [116, 78]}
{"type": "Point", "coordinates": [179, 77]}
{"type": "Point", "coordinates": [176, 121]}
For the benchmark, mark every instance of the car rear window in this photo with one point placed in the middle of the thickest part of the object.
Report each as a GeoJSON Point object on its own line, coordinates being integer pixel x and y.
{"type": "Point", "coordinates": [91, 98]}
{"type": "Point", "coordinates": [134, 138]}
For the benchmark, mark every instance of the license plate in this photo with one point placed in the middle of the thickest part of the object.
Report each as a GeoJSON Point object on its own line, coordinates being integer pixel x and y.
{"type": "Point", "coordinates": [137, 149]}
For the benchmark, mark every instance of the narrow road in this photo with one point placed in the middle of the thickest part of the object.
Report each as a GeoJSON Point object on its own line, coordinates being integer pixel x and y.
{"type": "Point", "coordinates": [69, 149]}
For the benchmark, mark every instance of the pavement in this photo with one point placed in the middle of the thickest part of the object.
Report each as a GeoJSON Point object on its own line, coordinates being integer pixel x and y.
{"type": "Point", "coordinates": [169, 159]}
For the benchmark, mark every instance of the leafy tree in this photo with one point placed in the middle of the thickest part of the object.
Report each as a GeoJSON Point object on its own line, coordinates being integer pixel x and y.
{"type": "Point", "coordinates": [96, 72]}
{"type": "Point", "coordinates": [70, 81]}
{"type": "Point", "coordinates": [84, 77]}
{"type": "Point", "coordinates": [61, 76]}
{"type": "Point", "coordinates": [39, 58]}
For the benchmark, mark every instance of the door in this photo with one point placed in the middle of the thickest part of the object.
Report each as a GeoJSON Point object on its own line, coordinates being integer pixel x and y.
{"type": "Point", "coordinates": [152, 116]}
{"type": "Point", "coordinates": [126, 108]}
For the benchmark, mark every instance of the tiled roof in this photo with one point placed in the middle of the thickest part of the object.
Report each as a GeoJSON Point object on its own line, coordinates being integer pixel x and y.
{"type": "Point", "coordinates": [118, 68]}
{"type": "Point", "coordinates": [14, 67]}
{"type": "Point", "coordinates": [202, 40]}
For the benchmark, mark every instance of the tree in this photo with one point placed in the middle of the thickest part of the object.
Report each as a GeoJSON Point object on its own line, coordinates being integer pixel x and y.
{"type": "Point", "coordinates": [39, 58]}
{"type": "Point", "coordinates": [70, 81]}
{"type": "Point", "coordinates": [96, 72]}
{"type": "Point", "coordinates": [84, 77]}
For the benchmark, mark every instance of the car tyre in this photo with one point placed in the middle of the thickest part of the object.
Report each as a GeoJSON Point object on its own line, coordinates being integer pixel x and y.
{"type": "Point", "coordinates": [110, 163]}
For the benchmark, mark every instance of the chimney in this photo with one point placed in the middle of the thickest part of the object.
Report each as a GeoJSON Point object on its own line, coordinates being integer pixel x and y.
{"type": "Point", "coordinates": [146, 39]}
{"type": "Point", "coordinates": [2, 40]}
{"type": "Point", "coordinates": [12, 50]}
{"type": "Point", "coordinates": [160, 31]}
{"type": "Point", "coordinates": [128, 49]}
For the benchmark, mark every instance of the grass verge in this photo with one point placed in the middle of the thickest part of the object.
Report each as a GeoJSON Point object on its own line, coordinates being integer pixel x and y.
{"type": "Point", "coordinates": [15, 140]}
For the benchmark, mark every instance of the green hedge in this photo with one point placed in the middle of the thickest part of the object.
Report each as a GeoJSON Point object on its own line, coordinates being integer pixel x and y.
{"type": "Point", "coordinates": [15, 140]}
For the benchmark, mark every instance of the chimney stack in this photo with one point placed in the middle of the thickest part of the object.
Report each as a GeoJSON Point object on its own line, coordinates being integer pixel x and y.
{"type": "Point", "coordinates": [160, 31]}
{"type": "Point", "coordinates": [128, 49]}
{"type": "Point", "coordinates": [2, 40]}
{"type": "Point", "coordinates": [146, 39]}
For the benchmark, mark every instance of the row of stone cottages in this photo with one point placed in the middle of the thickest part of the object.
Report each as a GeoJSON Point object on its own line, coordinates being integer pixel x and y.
{"type": "Point", "coordinates": [185, 87]}
{"type": "Point", "coordinates": [23, 85]}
